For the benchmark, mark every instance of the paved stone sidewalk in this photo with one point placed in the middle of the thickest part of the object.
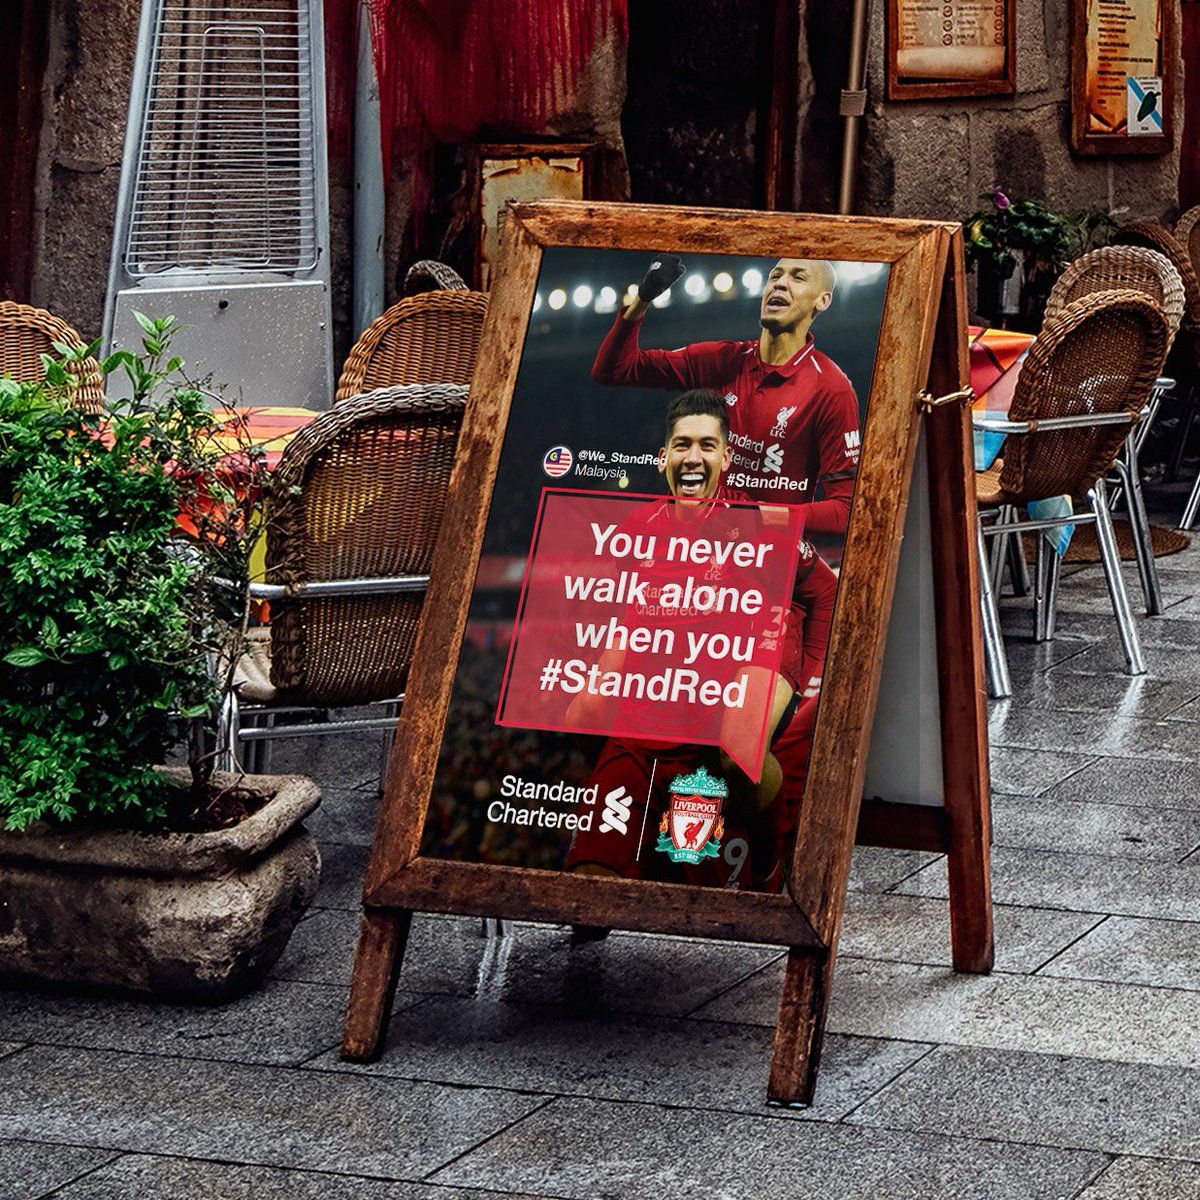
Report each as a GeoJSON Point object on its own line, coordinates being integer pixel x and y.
{"type": "Point", "coordinates": [635, 1067]}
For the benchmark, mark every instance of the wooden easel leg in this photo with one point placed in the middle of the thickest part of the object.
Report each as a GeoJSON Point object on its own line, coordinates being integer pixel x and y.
{"type": "Point", "coordinates": [377, 963]}
{"type": "Point", "coordinates": [796, 1054]}
{"type": "Point", "coordinates": [969, 872]}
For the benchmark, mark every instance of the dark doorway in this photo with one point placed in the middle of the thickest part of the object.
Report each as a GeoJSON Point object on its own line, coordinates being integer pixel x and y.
{"type": "Point", "coordinates": [697, 112]}
{"type": "Point", "coordinates": [23, 28]}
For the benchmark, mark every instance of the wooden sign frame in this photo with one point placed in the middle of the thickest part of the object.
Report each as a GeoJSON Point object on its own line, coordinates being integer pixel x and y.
{"type": "Point", "coordinates": [909, 86]}
{"type": "Point", "coordinates": [922, 343]}
{"type": "Point", "coordinates": [1088, 142]}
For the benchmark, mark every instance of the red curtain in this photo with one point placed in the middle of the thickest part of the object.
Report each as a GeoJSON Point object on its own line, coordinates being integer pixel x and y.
{"type": "Point", "coordinates": [448, 67]}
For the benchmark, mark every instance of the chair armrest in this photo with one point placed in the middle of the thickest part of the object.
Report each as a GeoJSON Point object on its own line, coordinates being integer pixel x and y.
{"type": "Point", "coordinates": [1049, 424]}
{"type": "Point", "coordinates": [383, 586]}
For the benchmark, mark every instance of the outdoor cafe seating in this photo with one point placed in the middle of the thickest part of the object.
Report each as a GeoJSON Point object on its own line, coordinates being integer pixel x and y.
{"type": "Point", "coordinates": [1081, 389]}
{"type": "Point", "coordinates": [353, 513]}
{"type": "Point", "coordinates": [1144, 270]}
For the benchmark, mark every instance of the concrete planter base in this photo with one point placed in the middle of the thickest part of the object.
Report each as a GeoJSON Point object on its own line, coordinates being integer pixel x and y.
{"type": "Point", "coordinates": [198, 916]}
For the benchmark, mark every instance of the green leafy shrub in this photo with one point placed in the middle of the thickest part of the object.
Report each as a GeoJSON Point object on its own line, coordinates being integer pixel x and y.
{"type": "Point", "coordinates": [112, 610]}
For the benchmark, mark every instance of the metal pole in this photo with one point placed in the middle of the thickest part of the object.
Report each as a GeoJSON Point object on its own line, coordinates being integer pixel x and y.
{"type": "Point", "coordinates": [368, 182]}
{"type": "Point", "coordinates": [854, 102]}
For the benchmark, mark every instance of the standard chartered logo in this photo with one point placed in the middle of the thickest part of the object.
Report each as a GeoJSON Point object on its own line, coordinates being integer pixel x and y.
{"type": "Point", "coordinates": [616, 812]}
{"type": "Point", "coordinates": [773, 459]}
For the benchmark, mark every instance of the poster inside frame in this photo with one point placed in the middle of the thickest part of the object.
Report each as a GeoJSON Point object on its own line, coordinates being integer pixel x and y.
{"type": "Point", "coordinates": [1123, 63]}
{"type": "Point", "coordinates": [948, 48]}
{"type": "Point", "coordinates": [408, 871]}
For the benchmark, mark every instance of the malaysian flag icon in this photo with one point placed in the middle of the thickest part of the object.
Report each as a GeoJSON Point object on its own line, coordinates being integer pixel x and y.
{"type": "Point", "coordinates": [557, 461]}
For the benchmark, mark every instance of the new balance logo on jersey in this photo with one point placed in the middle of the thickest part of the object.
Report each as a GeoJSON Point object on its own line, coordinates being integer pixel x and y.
{"type": "Point", "coordinates": [616, 811]}
{"type": "Point", "coordinates": [773, 459]}
{"type": "Point", "coordinates": [852, 443]}
{"type": "Point", "coordinates": [782, 417]}
{"type": "Point", "coordinates": [731, 398]}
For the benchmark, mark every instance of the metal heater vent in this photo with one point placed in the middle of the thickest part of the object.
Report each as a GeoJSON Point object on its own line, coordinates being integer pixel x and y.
{"type": "Point", "coordinates": [224, 176]}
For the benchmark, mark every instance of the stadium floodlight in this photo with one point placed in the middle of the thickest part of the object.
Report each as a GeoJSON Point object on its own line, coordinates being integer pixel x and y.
{"type": "Point", "coordinates": [582, 296]}
{"type": "Point", "coordinates": [752, 279]}
{"type": "Point", "coordinates": [695, 286]}
{"type": "Point", "coordinates": [722, 282]}
{"type": "Point", "coordinates": [557, 299]}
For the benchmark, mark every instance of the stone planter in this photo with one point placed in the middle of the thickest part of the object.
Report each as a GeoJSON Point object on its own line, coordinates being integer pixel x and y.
{"type": "Point", "coordinates": [198, 916]}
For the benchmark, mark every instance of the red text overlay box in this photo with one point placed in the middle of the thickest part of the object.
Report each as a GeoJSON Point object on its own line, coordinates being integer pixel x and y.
{"type": "Point", "coordinates": [653, 618]}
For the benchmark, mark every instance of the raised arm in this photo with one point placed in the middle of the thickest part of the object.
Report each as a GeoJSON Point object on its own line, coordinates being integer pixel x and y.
{"type": "Point", "coordinates": [621, 361]}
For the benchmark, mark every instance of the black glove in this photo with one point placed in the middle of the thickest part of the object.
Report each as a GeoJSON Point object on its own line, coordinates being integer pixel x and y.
{"type": "Point", "coordinates": [665, 270]}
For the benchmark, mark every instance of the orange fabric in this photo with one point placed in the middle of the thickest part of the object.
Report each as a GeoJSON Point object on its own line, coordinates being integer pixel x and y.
{"type": "Point", "coordinates": [995, 357]}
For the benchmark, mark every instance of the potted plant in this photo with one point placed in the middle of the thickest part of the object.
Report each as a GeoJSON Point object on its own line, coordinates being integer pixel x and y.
{"type": "Point", "coordinates": [124, 544]}
{"type": "Point", "coordinates": [1020, 247]}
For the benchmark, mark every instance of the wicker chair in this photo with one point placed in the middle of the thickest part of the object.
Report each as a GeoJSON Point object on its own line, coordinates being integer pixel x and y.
{"type": "Point", "coordinates": [26, 333]}
{"type": "Point", "coordinates": [1183, 364]}
{"type": "Point", "coordinates": [1152, 273]}
{"type": "Point", "coordinates": [353, 514]}
{"type": "Point", "coordinates": [1187, 234]}
{"type": "Point", "coordinates": [1136, 268]}
{"type": "Point", "coordinates": [428, 337]}
{"type": "Point", "coordinates": [1082, 387]}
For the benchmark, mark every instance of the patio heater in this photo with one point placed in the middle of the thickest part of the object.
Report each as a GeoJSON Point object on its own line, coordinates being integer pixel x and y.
{"type": "Point", "coordinates": [223, 210]}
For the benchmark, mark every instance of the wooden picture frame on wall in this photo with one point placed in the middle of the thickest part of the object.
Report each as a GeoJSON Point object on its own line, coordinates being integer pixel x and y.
{"type": "Point", "coordinates": [524, 436]}
{"type": "Point", "coordinates": [506, 173]}
{"type": "Point", "coordinates": [1123, 65]}
{"type": "Point", "coordinates": [939, 49]}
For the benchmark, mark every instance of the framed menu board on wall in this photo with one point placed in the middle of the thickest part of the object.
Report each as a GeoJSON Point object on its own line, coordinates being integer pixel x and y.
{"type": "Point", "coordinates": [1122, 76]}
{"type": "Point", "coordinates": [951, 48]}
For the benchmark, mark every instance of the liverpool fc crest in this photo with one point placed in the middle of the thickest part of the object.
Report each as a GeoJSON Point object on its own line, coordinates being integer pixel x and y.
{"type": "Point", "coordinates": [692, 827]}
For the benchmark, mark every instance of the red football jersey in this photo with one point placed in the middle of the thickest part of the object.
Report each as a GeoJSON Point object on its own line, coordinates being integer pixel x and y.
{"type": "Point", "coordinates": [793, 426]}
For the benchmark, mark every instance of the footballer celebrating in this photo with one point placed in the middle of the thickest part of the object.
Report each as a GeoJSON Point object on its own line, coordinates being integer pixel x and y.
{"type": "Point", "coordinates": [793, 414]}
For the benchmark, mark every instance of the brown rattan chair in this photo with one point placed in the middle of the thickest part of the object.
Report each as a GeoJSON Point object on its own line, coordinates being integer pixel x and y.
{"type": "Point", "coordinates": [1136, 268]}
{"type": "Point", "coordinates": [1080, 390]}
{"type": "Point", "coordinates": [353, 514]}
{"type": "Point", "coordinates": [26, 333]}
{"type": "Point", "coordinates": [1187, 234]}
{"type": "Point", "coordinates": [1151, 272]}
{"type": "Point", "coordinates": [430, 337]}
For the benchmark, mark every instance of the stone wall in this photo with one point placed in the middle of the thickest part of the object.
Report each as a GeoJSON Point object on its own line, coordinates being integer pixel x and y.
{"type": "Point", "coordinates": [696, 81]}
{"type": "Point", "coordinates": [934, 158]}
{"type": "Point", "coordinates": [85, 102]}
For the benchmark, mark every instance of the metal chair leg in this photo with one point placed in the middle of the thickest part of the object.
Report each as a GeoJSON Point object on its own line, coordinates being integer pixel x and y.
{"type": "Point", "coordinates": [999, 683]}
{"type": "Point", "coordinates": [1018, 569]}
{"type": "Point", "coordinates": [1110, 559]}
{"type": "Point", "coordinates": [1193, 505]}
{"type": "Point", "coordinates": [1139, 526]}
{"type": "Point", "coordinates": [1185, 428]}
{"type": "Point", "coordinates": [228, 723]}
{"type": "Point", "coordinates": [1053, 571]}
{"type": "Point", "coordinates": [1041, 584]}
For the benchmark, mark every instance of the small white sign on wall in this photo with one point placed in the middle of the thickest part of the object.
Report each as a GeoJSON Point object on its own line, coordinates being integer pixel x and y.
{"type": "Point", "coordinates": [1143, 100]}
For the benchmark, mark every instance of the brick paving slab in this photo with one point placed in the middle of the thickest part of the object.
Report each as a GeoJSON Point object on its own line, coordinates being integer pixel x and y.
{"type": "Point", "coordinates": [146, 1177]}
{"type": "Point", "coordinates": [1045, 1099]}
{"type": "Point", "coordinates": [699, 1064]}
{"type": "Point", "coordinates": [33, 1168]}
{"type": "Point", "coordinates": [590, 1151]}
{"type": "Point", "coordinates": [1135, 950]}
{"type": "Point", "coordinates": [267, 1116]}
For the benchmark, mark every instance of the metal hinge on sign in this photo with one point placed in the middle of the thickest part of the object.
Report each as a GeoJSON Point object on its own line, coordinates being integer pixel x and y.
{"type": "Point", "coordinates": [927, 403]}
